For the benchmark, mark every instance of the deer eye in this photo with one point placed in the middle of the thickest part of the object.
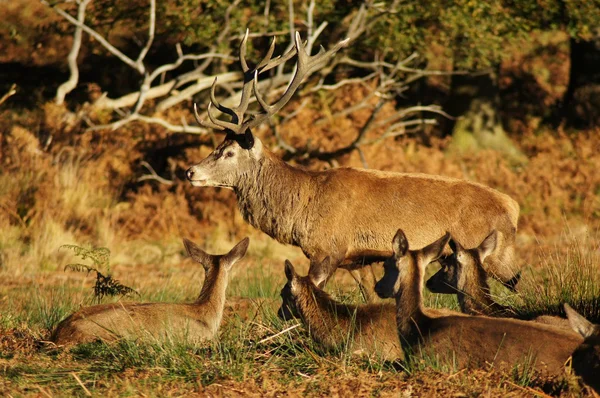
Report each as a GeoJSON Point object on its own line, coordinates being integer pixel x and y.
{"type": "Point", "coordinates": [229, 154]}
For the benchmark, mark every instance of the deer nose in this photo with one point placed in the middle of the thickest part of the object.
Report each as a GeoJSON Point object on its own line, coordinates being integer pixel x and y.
{"type": "Point", "coordinates": [189, 173]}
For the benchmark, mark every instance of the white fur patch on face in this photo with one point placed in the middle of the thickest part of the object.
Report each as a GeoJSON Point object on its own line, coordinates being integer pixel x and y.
{"type": "Point", "coordinates": [294, 286]}
{"type": "Point", "coordinates": [198, 183]}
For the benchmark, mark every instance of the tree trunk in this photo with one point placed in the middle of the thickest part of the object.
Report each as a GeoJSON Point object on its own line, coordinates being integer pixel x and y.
{"type": "Point", "coordinates": [581, 103]}
{"type": "Point", "coordinates": [474, 100]}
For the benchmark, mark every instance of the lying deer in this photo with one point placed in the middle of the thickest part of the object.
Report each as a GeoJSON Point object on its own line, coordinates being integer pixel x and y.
{"type": "Point", "coordinates": [463, 274]}
{"type": "Point", "coordinates": [586, 358]}
{"type": "Point", "coordinates": [348, 214]}
{"type": "Point", "coordinates": [159, 321]}
{"type": "Point", "coordinates": [466, 340]}
{"type": "Point", "coordinates": [370, 327]}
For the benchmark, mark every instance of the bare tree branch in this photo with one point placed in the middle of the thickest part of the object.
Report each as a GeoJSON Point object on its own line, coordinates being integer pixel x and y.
{"type": "Point", "coordinates": [151, 29]}
{"type": "Point", "coordinates": [402, 126]}
{"type": "Point", "coordinates": [184, 128]}
{"type": "Point", "coordinates": [201, 84]}
{"type": "Point", "coordinates": [153, 175]}
{"type": "Point", "coordinates": [11, 91]}
{"type": "Point", "coordinates": [163, 89]}
{"type": "Point", "coordinates": [112, 49]}
{"type": "Point", "coordinates": [71, 83]}
{"type": "Point", "coordinates": [413, 109]}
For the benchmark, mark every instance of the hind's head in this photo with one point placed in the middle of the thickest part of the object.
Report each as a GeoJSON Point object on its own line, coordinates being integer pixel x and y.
{"type": "Point", "coordinates": [216, 267]}
{"type": "Point", "coordinates": [405, 263]}
{"type": "Point", "coordinates": [586, 357]}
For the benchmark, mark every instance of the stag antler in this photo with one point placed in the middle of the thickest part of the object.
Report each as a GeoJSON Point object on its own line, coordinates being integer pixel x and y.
{"type": "Point", "coordinates": [306, 65]}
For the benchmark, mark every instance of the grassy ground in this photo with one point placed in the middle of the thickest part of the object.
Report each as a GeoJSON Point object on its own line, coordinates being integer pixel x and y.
{"type": "Point", "coordinates": [250, 357]}
{"type": "Point", "coordinates": [76, 195]}
{"type": "Point", "coordinates": [61, 183]}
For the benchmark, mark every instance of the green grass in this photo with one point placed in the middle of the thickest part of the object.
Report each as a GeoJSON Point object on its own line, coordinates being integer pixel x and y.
{"type": "Point", "coordinates": [568, 274]}
{"type": "Point", "coordinates": [247, 353]}
{"type": "Point", "coordinates": [256, 282]}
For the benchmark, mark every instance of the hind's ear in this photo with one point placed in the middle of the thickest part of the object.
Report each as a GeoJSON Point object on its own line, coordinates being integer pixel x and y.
{"type": "Point", "coordinates": [488, 245]}
{"type": "Point", "coordinates": [318, 273]}
{"type": "Point", "coordinates": [399, 244]}
{"type": "Point", "coordinates": [453, 245]}
{"type": "Point", "coordinates": [433, 251]}
{"type": "Point", "coordinates": [578, 322]}
{"type": "Point", "coordinates": [197, 254]}
{"type": "Point", "coordinates": [290, 273]}
{"type": "Point", "coordinates": [238, 252]}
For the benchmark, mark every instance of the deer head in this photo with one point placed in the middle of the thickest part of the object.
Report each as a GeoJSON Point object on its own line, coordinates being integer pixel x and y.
{"type": "Point", "coordinates": [215, 266]}
{"type": "Point", "coordinates": [586, 358]}
{"type": "Point", "coordinates": [241, 151]}
{"type": "Point", "coordinates": [296, 287]}
{"type": "Point", "coordinates": [402, 265]}
{"type": "Point", "coordinates": [460, 265]}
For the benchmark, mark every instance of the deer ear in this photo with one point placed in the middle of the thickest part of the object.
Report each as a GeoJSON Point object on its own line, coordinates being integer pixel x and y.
{"type": "Point", "coordinates": [290, 273]}
{"type": "Point", "coordinates": [198, 254]}
{"type": "Point", "coordinates": [238, 252]}
{"type": "Point", "coordinates": [248, 139]}
{"type": "Point", "coordinates": [399, 244]}
{"type": "Point", "coordinates": [579, 324]}
{"type": "Point", "coordinates": [433, 251]}
{"type": "Point", "coordinates": [488, 245]}
{"type": "Point", "coordinates": [453, 245]}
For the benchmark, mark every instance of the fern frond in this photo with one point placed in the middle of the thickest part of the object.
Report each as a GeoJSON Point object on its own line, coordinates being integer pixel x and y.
{"type": "Point", "coordinates": [78, 267]}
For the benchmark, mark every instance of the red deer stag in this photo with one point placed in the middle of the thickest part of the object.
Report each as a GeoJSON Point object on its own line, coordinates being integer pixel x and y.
{"type": "Point", "coordinates": [346, 213]}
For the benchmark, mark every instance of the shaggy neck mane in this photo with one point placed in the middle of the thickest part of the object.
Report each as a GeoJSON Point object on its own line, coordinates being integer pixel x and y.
{"type": "Point", "coordinates": [409, 303]}
{"type": "Point", "coordinates": [272, 197]}
{"type": "Point", "coordinates": [328, 321]}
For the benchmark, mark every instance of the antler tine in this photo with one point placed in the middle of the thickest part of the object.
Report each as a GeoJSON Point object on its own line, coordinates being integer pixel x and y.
{"type": "Point", "coordinates": [306, 65]}
{"type": "Point", "coordinates": [236, 113]}
{"type": "Point", "coordinates": [243, 46]}
{"type": "Point", "coordinates": [267, 58]}
{"type": "Point", "coordinates": [213, 100]}
{"type": "Point", "coordinates": [280, 59]}
{"type": "Point", "coordinates": [222, 125]}
{"type": "Point", "coordinates": [204, 123]}
{"type": "Point", "coordinates": [263, 104]}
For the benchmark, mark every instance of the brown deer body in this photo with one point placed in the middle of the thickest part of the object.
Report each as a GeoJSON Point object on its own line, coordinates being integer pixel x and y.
{"type": "Point", "coordinates": [370, 327]}
{"type": "Point", "coordinates": [469, 341]}
{"type": "Point", "coordinates": [346, 213]}
{"type": "Point", "coordinates": [586, 358]}
{"type": "Point", "coordinates": [193, 322]}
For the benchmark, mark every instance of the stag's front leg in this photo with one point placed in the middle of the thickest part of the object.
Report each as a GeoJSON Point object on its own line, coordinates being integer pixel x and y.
{"type": "Point", "coordinates": [365, 279]}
